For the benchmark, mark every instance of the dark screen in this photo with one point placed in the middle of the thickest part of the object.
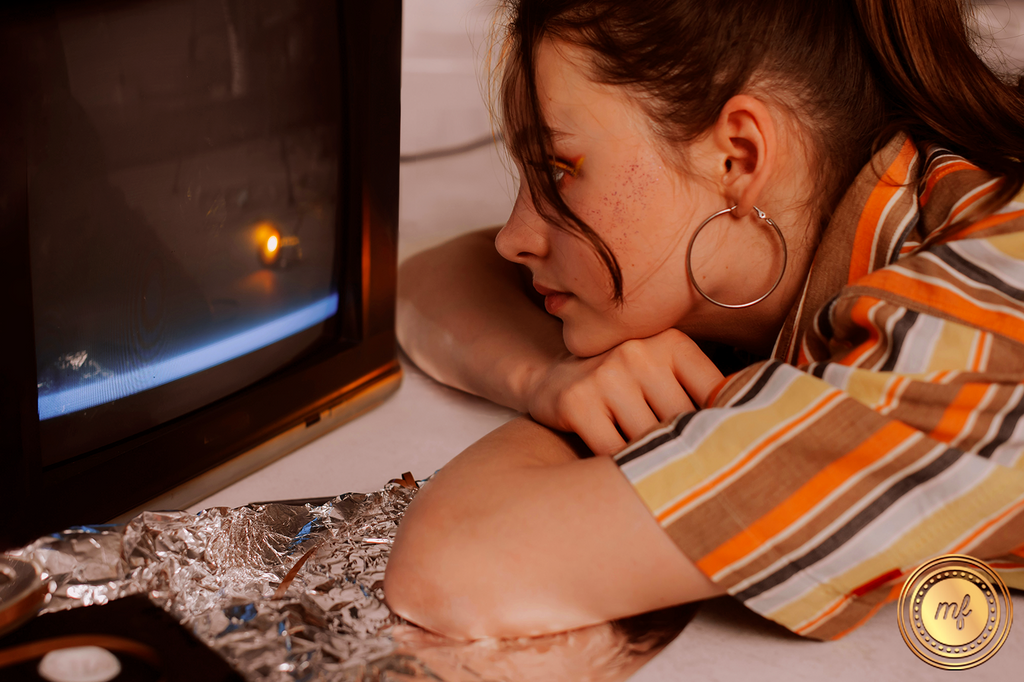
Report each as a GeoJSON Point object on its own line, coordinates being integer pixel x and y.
{"type": "Point", "coordinates": [183, 196]}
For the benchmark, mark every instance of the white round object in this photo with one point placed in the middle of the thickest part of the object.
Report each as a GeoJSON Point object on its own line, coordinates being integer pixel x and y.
{"type": "Point", "coordinates": [79, 664]}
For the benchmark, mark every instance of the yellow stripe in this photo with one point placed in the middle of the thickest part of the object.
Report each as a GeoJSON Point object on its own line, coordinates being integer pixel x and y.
{"type": "Point", "coordinates": [1011, 245]}
{"type": "Point", "coordinates": [934, 534]}
{"type": "Point", "coordinates": [953, 350]}
{"type": "Point", "coordinates": [728, 443]}
{"type": "Point", "coordinates": [870, 388]}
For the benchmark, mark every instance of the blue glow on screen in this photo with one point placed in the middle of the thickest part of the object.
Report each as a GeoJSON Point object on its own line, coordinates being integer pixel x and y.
{"type": "Point", "coordinates": [120, 385]}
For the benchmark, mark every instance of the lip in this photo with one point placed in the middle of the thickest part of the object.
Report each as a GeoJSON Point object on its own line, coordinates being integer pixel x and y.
{"type": "Point", "coordinates": [554, 300]}
{"type": "Point", "coordinates": [544, 291]}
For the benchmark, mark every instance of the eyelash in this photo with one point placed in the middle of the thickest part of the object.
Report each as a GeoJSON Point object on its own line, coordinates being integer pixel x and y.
{"type": "Point", "coordinates": [560, 168]}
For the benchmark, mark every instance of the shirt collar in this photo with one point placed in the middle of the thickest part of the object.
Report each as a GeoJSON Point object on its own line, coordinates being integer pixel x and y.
{"type": "Point", "coordinates": [906, 197]}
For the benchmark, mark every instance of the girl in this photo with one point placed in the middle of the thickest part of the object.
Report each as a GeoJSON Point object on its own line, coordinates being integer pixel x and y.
{"type": "Point", "coordinates": [823, 186]}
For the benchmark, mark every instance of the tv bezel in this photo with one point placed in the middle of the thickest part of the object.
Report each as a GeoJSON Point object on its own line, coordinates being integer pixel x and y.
{"type": "Point", "coordinates": [359, 349]}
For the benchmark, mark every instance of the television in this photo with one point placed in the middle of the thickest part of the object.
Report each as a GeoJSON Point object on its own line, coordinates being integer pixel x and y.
{"type": "Point", "coordinates": [199, 207]}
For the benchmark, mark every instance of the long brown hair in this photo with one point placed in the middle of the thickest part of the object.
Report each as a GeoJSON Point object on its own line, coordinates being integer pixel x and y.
{"type": "Point", "coordinates": [852, 72]}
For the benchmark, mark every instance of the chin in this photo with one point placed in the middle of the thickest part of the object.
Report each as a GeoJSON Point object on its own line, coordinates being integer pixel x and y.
{"type": "Point", "coordinates": [584, 345]}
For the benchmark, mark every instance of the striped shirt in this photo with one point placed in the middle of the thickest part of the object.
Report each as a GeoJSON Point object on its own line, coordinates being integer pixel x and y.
{"type": "Point", "coordinates": [887, 428]}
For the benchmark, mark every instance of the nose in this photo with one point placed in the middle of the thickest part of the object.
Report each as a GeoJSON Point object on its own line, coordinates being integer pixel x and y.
{"type": "Point", "coordinates": [525, 235]}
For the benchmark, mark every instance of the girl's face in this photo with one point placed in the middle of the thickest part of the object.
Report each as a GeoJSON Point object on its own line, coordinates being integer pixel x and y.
{"type": "Point", "coordinates": [613, 177]}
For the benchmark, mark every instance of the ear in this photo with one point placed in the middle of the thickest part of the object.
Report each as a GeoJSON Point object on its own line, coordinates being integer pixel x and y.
{"type": "Point", "coordinates": [745, 142]}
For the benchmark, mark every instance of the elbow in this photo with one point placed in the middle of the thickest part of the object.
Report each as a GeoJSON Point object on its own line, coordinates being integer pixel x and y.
{"type": "Point", "coordinates": [412, 593]}
{"type": "Point", "coordinates": [422, 584]}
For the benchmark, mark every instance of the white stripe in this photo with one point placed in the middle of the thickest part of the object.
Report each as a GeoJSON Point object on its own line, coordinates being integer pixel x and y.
{"type": "Point", "coordinates": [904, 382]}
{"type": "Point", "coordinates": [997, 421]}
{"type": "Point", "coordinates": [665, 454]}
{"type": "Point", "coordinates": [890, 326]}
{"type": "Point", "coordinates": [986, 352]}
{"type": "Point", "coordinates": [882, 532]}
{"type": "Point", "coordinates": [699, 427]}
{"type": "Point", "coordinates": [946, 222]}
{"type": "Point", "coordinates": [753, 462]}
{"type": "Point", "coordinates": [885, 214]}
{"type": "Point", "coordinates": [976, 411]}
{"type": "Point", "coordinates": [871, 315]}
{"type": "Point", "coordinates": [810, 514]}
{"type": "Point", "coordinates": [838, 375]}
{"type": "Point", "coordinates": [919, 345]}
{"type": "Point", "coordinates": [1009, 453]}
{"type": "Point", "coordinates": [985, 534]}
{"type": "Point", "coordinates": [968, 282]}
{"type": "Point", "coordinates": [982, 254]}
{"type": "Point", "coordinates": [943, 284]}
{"type": "Point", "coordinates": [796, 324]}
{"type": "Point", "coordinates": [845, 517]}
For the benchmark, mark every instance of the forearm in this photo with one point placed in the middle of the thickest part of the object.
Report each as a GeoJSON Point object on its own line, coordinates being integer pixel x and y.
{"type": "Point", "coordinates": [518, 536]}
{"type": "Point", "coordinates": [464, 318]}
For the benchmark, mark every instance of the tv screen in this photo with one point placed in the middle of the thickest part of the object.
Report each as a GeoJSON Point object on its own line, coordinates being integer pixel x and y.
{"type": "Point", "coordinates": [197, 196]}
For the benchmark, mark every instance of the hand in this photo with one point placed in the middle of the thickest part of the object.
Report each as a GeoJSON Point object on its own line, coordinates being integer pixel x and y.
{"type": "Point", "coordinates": [633, 386]}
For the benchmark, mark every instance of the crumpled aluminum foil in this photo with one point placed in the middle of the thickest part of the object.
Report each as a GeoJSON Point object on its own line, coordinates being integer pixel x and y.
{"type": "Point", "coordinates": [287, 593]}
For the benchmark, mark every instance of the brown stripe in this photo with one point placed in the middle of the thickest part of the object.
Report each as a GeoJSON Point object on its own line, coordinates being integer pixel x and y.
{"type": "Point", "coordinates": [1001, 396]}
{"type": "Point", "coordinates": [856, 611]}
{"type": "Point", "coordinates": [946, 193]}
{"type": "Point", "coordinates": [831, 265]}
{"type": "Point", "coordinates": [848, 335]}
{"type": "Point", "coordinates": [1007, 358]}
{"type": "Point", "coordinates": [923, 404]}
{"type": "Point", "coordinates": [821, 519]}
{"type": "Point", "coordinates": [855, 291]}
{"type": "Point", "coordinates": [904, 205]}
{"type": "Point", "coordinates": [1009, 537]}
{"type": "Point", "coordinates": [775, 478]}
{"type": "Point", "coordinates": [738, 383]}
{"type": "Point", "coordinates": [966, 286]}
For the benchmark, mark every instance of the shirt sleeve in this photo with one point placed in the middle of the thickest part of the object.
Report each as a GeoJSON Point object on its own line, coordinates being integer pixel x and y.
{"type": "Point", "coordinates": [810, 492]}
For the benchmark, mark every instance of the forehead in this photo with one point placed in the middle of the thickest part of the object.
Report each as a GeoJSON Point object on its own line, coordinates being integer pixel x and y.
{"type": "Point", "coordinates": [574, 105]}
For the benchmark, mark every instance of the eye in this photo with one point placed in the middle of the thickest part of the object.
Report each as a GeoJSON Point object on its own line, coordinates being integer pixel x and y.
{"type": "Point", "coordinates": [560, 168]}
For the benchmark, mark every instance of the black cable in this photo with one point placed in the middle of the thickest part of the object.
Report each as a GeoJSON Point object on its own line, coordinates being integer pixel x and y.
{"type": "Point", "coordinates": [450, 151]}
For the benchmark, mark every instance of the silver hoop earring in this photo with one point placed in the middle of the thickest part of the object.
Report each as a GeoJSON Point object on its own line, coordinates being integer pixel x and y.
{"type": "Point", "coordinates": [689, 265]}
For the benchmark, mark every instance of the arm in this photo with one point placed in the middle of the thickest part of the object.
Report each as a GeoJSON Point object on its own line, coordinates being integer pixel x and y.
{"type": "Point", "coordinates": [806, 493]}
{"type": "Point", "coordinates": [507, 540]}
{"type": "Point", "coordinates": [464, 317]}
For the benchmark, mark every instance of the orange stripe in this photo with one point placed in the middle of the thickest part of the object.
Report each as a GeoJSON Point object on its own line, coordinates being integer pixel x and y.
{"type": "Point", "coordinates": [890, 395]}
{"type": "Point", "coordinates": [825, 614]}
{"type": "Point", "coordinates": [980, 225]}
{"type": "Point", "coordinates": [942, 172]}
{"type": "Point", "coordinates": [892, 181]}
{"type": "Point", "coordinates": [718, 389]}
{"type": "Point", "coordinates": [979, 351]}
{"type": "Point", "coordinates": [974, 200]}
{"type": "Point", "coordinates": [811, 493]}
{"type": "Point", "coordinates": [988, 524]}
{"type": "Point", "coordinates": [830, 398]}
{"type": "Point", "coordinates": [948, 302]}
{"type": "Point", "coordinates": [893, 595]}
{"type": "Point", "coordinates": [957, 413]}
{"type": "Point", "coordinates": [859, 316]}
{"type": "Point", "coordinates": [1005, 566]}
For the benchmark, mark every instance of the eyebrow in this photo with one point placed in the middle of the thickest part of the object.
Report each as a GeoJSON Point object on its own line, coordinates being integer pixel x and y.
{"type": "Point", "coordinates": [553, 134]}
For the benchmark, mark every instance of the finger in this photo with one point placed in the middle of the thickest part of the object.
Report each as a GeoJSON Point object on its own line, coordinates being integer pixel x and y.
{"type": "Point", "coordinates": [601, 436]}
{"type": "Point", "coordinates": [666, 396]}
{"type": "Point", "coordinates": [697, 374]}
{"type": "Point", "coordinates": [631, 411]}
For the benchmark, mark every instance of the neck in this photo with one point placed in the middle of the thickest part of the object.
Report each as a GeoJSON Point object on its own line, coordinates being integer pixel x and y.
{"type": "Point", "coordinates": [756, 328]}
